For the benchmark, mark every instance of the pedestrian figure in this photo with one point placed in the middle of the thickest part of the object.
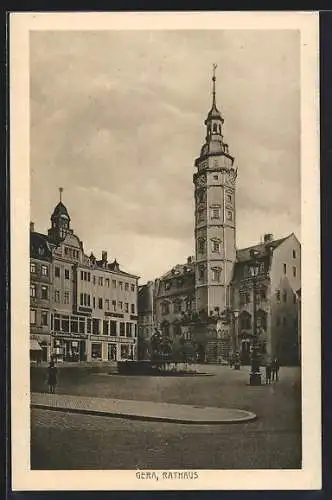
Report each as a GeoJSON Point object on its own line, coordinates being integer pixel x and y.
{"type": "Point", "coordinates": [52, 377]}
{"type": "Point", "coordinates": [275, 369]}
{"type": "Point", "coordinates": [268, 370]}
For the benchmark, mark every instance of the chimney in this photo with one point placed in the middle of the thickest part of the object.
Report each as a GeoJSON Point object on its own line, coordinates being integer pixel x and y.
{"type": "Point", "coordinates": [104, 256]}
{"type": "Point", "coordinates": [32, 227]}
{"type": "Point", "coordinates": [268, 238]}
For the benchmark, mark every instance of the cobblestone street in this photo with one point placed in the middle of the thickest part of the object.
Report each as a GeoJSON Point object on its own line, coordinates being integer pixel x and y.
{"type": "Point", "coordinates": [73, 441]}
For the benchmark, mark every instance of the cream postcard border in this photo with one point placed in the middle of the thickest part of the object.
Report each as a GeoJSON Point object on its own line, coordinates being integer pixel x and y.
{"type": "Point", "coordinates": [24, 479]}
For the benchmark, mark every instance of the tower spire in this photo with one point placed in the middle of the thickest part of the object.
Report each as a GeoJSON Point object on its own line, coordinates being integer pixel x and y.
{"type": "Point", "coordinates": [214, 67]}
{"type": "Point", "coordinates": [60, 192]}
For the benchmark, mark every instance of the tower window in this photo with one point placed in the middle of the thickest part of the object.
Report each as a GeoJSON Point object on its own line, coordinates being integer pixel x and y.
{"type": "Point", "coordinates": [201, 272]}
{"type": "Point", "coordinates": [216, 274]}
{"type": "Point", "coordinates": [215, 213]}
{"type": "Point", "coordinates": [200, 214]}
{"type": "Point", "coordinates": [201, 245]}
{"type": "Point", "coordinates": [215, 246]}
{"type": "Point", "coordinates": [215, 177]}
{"type": "Point", "coordinates": [294, 254]}
{"type": "Point", "coordinates": [229, 215]}
{"type": "Point", "coordinates": [285, 268]}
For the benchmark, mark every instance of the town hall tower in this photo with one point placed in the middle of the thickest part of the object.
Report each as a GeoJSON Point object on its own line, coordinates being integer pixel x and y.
{"type": "Point", "coordinates": [215, 216]}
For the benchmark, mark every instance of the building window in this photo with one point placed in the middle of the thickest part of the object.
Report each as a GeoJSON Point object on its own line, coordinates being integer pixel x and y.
{"type": "Point", "coordinates": [215, 213]}
{"type": "Point", "coordinates": [126, 307]}
{"type": "Point", "coordinates": [57, 272]}
{"type": "Point", "coordinates": [96, 351]}
{"type": "Point", "coordinates": [278, 296]}
{"type": "Point", "coordinates": [114, 283]}
{"type": "Point", "coordinates": [44, 292]}
{"type": "Point", "coordinates": [113, 328]}
{"type": "Point", "coordinates": [132, 307]}
{"type": "Point", "coordinates": [284, 296]}
{"type": "Point", "coordinates": [244, 298]}
{"type": "Point", "coordinates": [81, 325]}
{"type": "Point", "coordinates": [177, 307]}
{"type": "Point", "coordinates": [44, 318]}
{"type": "Point", "coordinates": [128, 329]}
{"type": "Point", "coordinates": [294, 254]}
{"type": "Point", "coordinates": [74, 324]}
{"type": "Point", "coordinates": [100, 281]}
{"type": "Point", "coordinates": [121, 285]}
{"type": "Point", "coordinates": [107, 282]}
{"type": "Point", "coordinates": [82, 275]}
{"type": "Point", "coordinates": [126, 287]}
{"type": "Point", "coordinates": [94, 280]}
{"type": "Point", "coordinates": [56, 322]}
{"type": "Point", "coordinates": [215, 177]}
{"type": "Point", "coordinates": [33, 268]}
{"type": "Point", "coordinates": [120, 305]}
{"type": "Point", "coordinates": [285, 268]}
{"type": "Point", "coordinates": [95, 326]}
{"type": "Point", "coordinates": [132, 287]}
{"type": "Point", "coordinates": [81, 299]}
{"type": "Point", "coordinates": [122, 328]}
{"type": "Point", "coordinates": [216, 274]}
{"type": "Point", "coordinates": [215, 246]}
{"type": "Point", "coordinates": [32, 290]}
{"type": "Point", "coordinates": [94, 302]}
{"type": "Point", "coordinates": [57, 296]}
{"type": "Point", "coordinates": [88, 325]}
{"type": "Point", "coordinates": [105, 327]}
{"type": "Point", "coordinates": [107, 304]}
{"type": "Point", "coordinates": [229, 215]}
{"type": "Point", "coordinates": [201, 245]}
{"type": "Point", "coordinates": [229, 198]}
{"type": "Point", "coordinates": [294, 271]}
{"type": "Point", "coordinates": [201, 272]}
{"type": "Point", "coordinates": [165, 308]}
{"type": "Point", "coordinates": [66, 298]}
{"type": "Point", "coordinates": [114, 305]}
{"type": "Point", "coordinates": [66, 274]}
{"type": "Point", "coordinates": [100, 303]}
{"type": "Point", "coordinates": [32, 316]}
{"type": "Point", "coordinates": [65, 324]}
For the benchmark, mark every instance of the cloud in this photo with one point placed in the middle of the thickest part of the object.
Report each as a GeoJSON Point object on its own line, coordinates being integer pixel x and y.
{"type": "Point", "coordinates": [117, 119]}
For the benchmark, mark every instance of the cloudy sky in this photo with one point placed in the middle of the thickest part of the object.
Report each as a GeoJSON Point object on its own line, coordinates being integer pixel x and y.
{"type": "Point", "coordinates": [117, 121]}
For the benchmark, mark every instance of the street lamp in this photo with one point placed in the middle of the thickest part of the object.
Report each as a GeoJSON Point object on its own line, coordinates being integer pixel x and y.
{"type": "Point", "coordinates": [255, 374]}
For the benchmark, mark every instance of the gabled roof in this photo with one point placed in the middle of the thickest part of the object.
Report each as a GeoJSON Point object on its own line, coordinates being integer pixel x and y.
{"type": "Point", "coordinates": [40, 247]}
{"type": "Point", "coordinates": [243, 254]}
{"type": "Point", "coordinates": [178, 271]}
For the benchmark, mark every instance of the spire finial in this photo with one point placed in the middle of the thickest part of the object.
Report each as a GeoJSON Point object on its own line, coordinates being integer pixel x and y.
{"type": "Point", "coordinates": [60, 191]}
{"type": "Point", "coordinates": [214, 67]}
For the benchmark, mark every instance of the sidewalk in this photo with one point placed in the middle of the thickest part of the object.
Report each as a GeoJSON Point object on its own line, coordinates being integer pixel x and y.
{"type": "Point", "coordinates": [140, 410]}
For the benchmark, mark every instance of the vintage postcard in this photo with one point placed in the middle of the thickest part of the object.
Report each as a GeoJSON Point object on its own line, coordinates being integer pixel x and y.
{"type": "Point", "coordinates": [165, 256]}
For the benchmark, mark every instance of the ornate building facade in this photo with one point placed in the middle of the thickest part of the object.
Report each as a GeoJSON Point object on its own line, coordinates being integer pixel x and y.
{"type": "Point", "coordinates": [81, 308]}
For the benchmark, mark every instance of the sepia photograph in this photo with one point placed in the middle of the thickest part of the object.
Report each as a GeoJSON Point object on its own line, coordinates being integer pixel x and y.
{"type": "Point", "coordinates": [164, 245]}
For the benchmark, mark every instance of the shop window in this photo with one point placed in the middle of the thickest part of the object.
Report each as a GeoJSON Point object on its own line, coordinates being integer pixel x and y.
{"type": "Point", "coordinates": [96, 351]}
{"type": "Point", "coordinates": [32, 317]}
{"type": "Point", "coordinates": [44, 318]}
{"type": "Point", "coordinates": [126, 351]}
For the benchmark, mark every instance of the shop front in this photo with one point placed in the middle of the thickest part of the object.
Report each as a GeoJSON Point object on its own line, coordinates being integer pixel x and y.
{"type": "Point", "coordinates": [69, 349]}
